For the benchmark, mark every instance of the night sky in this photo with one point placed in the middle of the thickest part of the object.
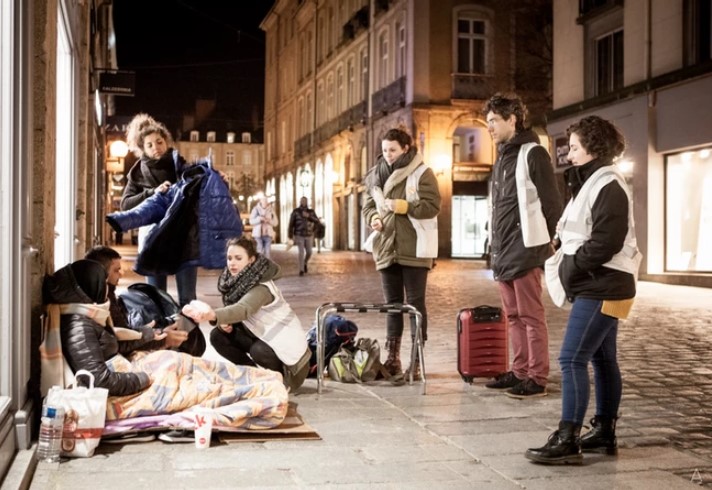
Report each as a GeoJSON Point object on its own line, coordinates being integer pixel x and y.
{"type": "Point", "coordinates": [182, 50]}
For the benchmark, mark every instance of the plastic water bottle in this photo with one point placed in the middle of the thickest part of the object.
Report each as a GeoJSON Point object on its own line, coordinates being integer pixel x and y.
{"type": "Point", "coordinates": [50, 443]}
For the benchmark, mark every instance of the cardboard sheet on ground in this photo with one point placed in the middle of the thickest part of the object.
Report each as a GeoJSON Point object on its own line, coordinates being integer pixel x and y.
{"type": "Point", "coordinates": [294, 428]}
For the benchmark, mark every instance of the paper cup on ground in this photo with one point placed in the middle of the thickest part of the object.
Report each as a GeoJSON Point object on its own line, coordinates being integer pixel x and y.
{"type": "Point", "coordinates": [203, 428]}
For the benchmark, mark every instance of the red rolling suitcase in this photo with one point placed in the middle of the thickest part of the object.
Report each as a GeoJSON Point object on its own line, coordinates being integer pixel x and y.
{"type": "Point", "coordinates": [482, 348]}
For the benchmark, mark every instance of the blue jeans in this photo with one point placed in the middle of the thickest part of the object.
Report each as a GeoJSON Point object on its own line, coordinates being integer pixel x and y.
{"type": "Point", "coordinates": [264, 245]}
{"type": "Point", "coordinates": [186, 281]}
{"type": "Point", "coordinates": [590, 337]}
{"type": "Point", "coordinates": [405, 284]}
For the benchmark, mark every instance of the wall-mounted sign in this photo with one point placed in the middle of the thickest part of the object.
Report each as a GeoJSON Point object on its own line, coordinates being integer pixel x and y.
{"type": "Point", "coordinates": [119, 82]}
{"type": "Point", "coordinates": [561, 145]}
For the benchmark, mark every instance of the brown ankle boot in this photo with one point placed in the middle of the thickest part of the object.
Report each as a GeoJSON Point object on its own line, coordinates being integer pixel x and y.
{"type": "Point", "coordinates": [393, 362]}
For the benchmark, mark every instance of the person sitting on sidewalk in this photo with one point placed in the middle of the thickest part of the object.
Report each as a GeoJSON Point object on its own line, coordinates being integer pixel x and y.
{"type": "Point", "coordinates": [256, 326]}
{"type": "Point", "coordinates": [111, 260]}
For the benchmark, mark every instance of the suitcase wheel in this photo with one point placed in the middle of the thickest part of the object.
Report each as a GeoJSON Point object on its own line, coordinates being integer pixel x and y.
{"type": "Point", "coordinates": [467, 379]}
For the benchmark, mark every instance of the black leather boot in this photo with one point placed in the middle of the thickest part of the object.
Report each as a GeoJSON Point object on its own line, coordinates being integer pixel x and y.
{"type": "Point", "coordinates": [601, 437]}
{"type": "Point", "coordinates": [563, 447]}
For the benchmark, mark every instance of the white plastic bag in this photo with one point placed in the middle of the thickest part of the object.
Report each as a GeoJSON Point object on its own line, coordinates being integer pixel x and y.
{"type": "Point", "coordinates": [84, 416]}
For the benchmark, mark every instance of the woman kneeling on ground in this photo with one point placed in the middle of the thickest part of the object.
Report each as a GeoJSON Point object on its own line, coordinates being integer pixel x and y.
{"type": "Point", "coordinates": [256, 326]}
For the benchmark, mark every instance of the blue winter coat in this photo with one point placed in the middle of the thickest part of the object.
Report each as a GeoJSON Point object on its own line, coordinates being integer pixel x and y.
{"type": "Point", "coordinates": [195, 218]}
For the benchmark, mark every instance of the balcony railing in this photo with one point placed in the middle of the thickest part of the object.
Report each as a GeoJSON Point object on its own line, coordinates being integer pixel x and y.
{"type": "Point", "coordinates": [470, 86]}
{"type": "Point", "coordinates": [389, 98]}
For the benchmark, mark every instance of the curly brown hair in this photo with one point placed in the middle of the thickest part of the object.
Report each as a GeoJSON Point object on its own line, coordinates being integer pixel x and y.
{"type": "Point", "coordinates": [600, 138]}
{"type": "Point", "coordinates": [248, 243]}
{"type": "Point", "coordinates": [141, 126]}
{"type": "Point", "coordinates": [506, 105]}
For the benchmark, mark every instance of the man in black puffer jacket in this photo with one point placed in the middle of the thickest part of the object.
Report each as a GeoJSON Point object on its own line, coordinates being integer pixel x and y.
{"type": "Point", "coordinates": [520, 240]}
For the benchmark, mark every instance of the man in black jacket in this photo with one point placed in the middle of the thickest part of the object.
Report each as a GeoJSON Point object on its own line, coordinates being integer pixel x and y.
{"type": "Point", "coordinates": [301, 229]}
{"type": "Point", "coordinates": [111, 260]}
{"type": "Point", "coordinates": [518, 253]}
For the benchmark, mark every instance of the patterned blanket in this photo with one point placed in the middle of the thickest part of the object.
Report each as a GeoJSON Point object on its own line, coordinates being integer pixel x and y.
{"type": "Point", "coordinates": [240, 396]}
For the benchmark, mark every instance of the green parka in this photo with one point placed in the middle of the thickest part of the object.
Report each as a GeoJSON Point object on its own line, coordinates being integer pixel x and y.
{"type": "Point", "coordinates": [396, 242]}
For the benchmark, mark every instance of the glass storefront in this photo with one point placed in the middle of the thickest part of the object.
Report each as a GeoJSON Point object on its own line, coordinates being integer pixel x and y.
{"type": "Point", "coordinates": [469, 220]}
{"type": "Point", "coordinates": [688, 214]}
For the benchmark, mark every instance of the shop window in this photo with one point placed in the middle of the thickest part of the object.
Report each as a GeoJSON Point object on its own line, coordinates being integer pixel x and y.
{"type": "Point", "coordinates": [688, 212]}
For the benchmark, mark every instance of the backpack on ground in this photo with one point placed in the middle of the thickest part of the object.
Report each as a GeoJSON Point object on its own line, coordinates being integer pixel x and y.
{"type": "Point", "coordinates": [356, 363]}
{"type": "Point", "coordinates": [144, 303]}
{"type": "Point", "coordinates": [337, 332]}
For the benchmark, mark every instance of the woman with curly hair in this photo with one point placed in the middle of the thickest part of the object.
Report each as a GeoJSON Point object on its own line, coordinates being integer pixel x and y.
{"type": "Point", "coordinates": [159, 166]}
{"type": "Point", "coordinates": [256, 326]}
{"type": "Point", "coordinates": [598, 272]}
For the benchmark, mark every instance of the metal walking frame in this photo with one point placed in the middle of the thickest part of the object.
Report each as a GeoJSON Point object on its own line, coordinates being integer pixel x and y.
{"type": "Point", "coordinates": [416, 320]}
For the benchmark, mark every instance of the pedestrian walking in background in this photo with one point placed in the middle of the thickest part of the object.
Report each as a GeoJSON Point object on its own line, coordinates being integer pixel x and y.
{"type": "Point", "coordinates": [263, 220]}
{"type": "Point", "coordinates": [598, 272]}
{"type": "Point", "coordinates": [402, 206]}
{"type": "Point", "coordinates": [256, 327]}
{"type": "Point", "coordinates": [525, 208]}
{"type": "Point", "coordinates": [158, 167]}
{"type": "Point", "coordinates": [302, 223]}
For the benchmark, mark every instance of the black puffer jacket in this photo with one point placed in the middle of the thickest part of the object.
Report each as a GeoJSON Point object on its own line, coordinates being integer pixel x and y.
{"type": "Point", "coordinates": [302, 222]}
{"type": "Point", "coordinates": [510, 258]}
{"type": "Point", "coordinates": [87, 344]}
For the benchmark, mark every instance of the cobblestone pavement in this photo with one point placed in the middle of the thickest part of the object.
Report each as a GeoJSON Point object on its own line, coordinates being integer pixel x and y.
{"type": "Point", "coordinates": [664, 347]}
{"type": "Point", "coordinates": [460, 435]}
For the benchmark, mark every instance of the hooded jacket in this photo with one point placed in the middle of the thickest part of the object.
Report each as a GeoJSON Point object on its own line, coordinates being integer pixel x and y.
{"type": "Point", "coordinates": [510, 258]}
{"type": "Point", "coordinates": [85, 343]}
{"type": "Point", "coordinates": [397, 242]}
{"type": "Point", "coordinates": [195, 219]}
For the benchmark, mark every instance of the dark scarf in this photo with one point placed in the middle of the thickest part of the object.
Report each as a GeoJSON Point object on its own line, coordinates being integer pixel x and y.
{"type": "Point", "coordinates": [235, 287]}
{"type": "Point", "coordinates": [382, 170]}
